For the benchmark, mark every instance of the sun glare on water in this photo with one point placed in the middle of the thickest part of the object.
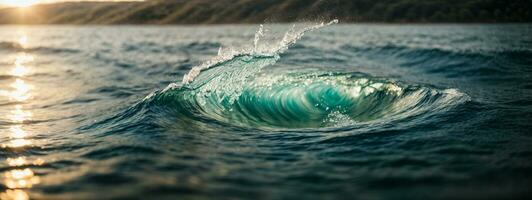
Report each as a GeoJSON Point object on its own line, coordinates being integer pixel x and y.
{"type": "Point", "coordinates": [20, 3]}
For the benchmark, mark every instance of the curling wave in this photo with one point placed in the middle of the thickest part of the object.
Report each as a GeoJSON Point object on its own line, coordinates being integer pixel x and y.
{"type": "Point", "coordinates": [231, 89]}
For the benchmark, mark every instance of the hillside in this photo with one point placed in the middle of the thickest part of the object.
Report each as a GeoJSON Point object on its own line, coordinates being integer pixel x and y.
{"type": "Point", "coordinates": [259, 11]}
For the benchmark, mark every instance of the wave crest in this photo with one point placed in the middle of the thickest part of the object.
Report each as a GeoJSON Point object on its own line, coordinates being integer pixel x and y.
{"type": "Point", "coordinates": [309, 101]}
{"type": "Point", "coordinates": [231, 89]}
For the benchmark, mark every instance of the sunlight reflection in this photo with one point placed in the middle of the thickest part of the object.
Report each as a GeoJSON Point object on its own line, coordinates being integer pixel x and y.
{"type": "Point", "coordinates": [21, 86]}
{"type": "Point", "coordinates": [23, 40]}
{"type": "Point", "coordinates": [17, 132]}
{"type": "Point", "coordinates": [21, 92]}
{"type": "Point", "coordinates": [21, 161]}
{"type": "Point", "coordinates": [23, 58]}
{"type": "Point", "coordinates": [20, 68]}
{"type": "Point", "coordinates": [17, 143]}
{"type": "Point", "coordinates": [14, 195]}
{"type": "Point", "coordinates": [19, 115]}
{"type": "Point", "coordinates": [16, 162]}
{"type": "Point", "coordinates": [20, 178]}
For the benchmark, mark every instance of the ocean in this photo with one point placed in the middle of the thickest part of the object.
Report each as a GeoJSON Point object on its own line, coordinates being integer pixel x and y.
{"type": "Point", "coordinates": [282, 111]}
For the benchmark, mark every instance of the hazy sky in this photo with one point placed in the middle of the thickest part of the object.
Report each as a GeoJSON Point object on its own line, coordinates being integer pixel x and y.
{"type": "Point", "coordinates": [29, 2]}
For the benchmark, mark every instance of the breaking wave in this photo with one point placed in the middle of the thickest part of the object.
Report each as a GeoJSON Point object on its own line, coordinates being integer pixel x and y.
{"type": "Point", "coordinates": [232, 89]}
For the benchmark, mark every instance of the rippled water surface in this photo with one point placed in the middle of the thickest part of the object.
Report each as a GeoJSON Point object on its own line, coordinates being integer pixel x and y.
{"type": "Point", "coordinates": [234, 112]}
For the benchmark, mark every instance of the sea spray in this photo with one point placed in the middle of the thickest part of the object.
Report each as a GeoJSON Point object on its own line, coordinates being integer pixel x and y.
{"type": "Point", "coordinates": [289, 38]}
{"type": "Point", "coordinates": [378, 112]}
{"type": "Point", "coordinates": [227, 89]}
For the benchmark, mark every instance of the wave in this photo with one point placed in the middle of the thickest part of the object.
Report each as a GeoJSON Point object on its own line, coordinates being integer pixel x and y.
{"type": "Point", "coordinates": [446, 61]}
{"type": "Point", "coordinates": [15, 46]}
{"type": "Point", "coordinates": [233, 90]}
{"type": "Point", "coordinates": [307, 100]}
{"type": "Point", "coordinates": [10, 46]}
{"type": "Point", "coordinates": [151, 47]}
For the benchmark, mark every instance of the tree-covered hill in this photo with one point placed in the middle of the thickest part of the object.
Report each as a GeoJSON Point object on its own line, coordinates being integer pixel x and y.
{"type": "Point", "coordinates": [260, 11]}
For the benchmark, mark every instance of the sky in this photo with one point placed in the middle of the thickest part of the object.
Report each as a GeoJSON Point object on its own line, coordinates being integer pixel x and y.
{"type": "Point", "coordinates": [24, 3]}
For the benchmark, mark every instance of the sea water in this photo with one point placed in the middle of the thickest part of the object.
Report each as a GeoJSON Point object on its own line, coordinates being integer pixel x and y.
{"type": "Point", "coordinates": [303, 111]}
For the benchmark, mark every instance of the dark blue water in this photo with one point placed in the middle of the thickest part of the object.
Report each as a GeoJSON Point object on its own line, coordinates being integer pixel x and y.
{"type": "Point", "coordinates": [344, 112]}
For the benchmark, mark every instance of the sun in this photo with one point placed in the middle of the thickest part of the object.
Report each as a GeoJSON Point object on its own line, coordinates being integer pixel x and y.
{"type": "Point", "coordinates": [20, 3]}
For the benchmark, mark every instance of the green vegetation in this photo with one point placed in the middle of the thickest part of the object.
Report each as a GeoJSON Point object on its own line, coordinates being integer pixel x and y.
{"type": "Point", "coordinates": [260, 11]}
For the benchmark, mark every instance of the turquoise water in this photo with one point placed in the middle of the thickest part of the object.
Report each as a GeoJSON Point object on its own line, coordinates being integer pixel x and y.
{"type": "Point", "coordinates": [300, 111]}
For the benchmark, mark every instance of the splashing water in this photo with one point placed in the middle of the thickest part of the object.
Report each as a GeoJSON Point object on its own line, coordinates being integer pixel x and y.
{"type": "Point", "coordinates": [289, 38]}
{"type": "Point", "coordinates": [230, 90]}
{"type": "Point", "coordinates": [377, 107]}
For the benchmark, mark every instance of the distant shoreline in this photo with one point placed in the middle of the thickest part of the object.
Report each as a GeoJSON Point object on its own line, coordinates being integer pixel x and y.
{"type": "Point", "coordinates": [223, 12]}
{"type": "Point", "coordinates": [288, 23]}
